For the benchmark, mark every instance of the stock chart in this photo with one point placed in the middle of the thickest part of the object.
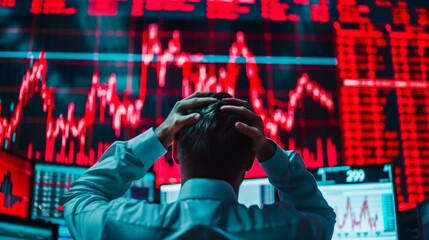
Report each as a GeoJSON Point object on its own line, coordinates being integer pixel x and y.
{"type": "Point", "coordinates": [341, 82]}
{"type": "Point", "coordinates": [15, 184]}
{"type": "Point", "coordinates": [362, 198]}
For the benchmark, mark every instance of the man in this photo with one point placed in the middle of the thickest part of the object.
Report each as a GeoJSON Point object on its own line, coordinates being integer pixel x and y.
{"type": "Point", "coordinates": [215, 139]}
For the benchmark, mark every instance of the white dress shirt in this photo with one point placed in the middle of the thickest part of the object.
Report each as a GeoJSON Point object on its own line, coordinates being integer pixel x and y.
{"type": "Point", "coordinates": [205, 209]}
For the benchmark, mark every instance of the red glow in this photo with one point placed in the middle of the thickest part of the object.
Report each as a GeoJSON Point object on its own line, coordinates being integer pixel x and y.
{"type": "Point", "coordinates": [367, 128]}
{"type": "Point", "coordinates": [171, 5]}
{"type": "Point", "coordinates": [7, 3]}
{"type": "Point", "coordinates": [15, 179]}
{"type": "Point", "coordinates": [273, 10]}
{"type": "Point", "coordinates": [230, 9]}
{"type": "Point", "coordinates": [51, 7]}
{"type": "Point", "coordinates": [214, 9]}
{"type": "Point", "coordinates": [104, 98]}
{"type": "Point", "coordinates": [103, 7]}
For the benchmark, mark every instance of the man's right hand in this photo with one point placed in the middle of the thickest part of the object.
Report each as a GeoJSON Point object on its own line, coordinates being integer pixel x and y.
{"type": "Point", "coordinates": [261, 146]}
{"type": "Point", "coordinates": [177, 118]}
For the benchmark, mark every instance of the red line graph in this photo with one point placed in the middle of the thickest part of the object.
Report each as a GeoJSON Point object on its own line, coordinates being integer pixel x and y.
{"type": "Point", "coordinates": [125, 112]}
{"type": "Point", "coordinates": [6, 187]}
{"type": "Point", "coordinates": [356, 221]}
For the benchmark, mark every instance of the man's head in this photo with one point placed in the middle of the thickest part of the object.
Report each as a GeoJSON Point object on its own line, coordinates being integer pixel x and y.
{"type": "Point", "coordinates": [212, 148]}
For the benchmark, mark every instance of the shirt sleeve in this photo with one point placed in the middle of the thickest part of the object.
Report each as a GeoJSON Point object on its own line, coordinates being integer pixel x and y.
{"type": "Point", "coordinates": [287, 173]}
{"type": "Point", "coordinates": [89, 196]}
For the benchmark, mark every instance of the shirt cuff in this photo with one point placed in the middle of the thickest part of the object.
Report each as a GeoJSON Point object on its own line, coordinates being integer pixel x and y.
{"type": "Point", "coordinates": [147, 147]}
{"type": "Point", "coordinates": [278, 164]}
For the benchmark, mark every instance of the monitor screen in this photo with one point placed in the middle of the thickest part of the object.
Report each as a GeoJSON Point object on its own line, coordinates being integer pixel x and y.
{"type": "Point", "coordinates": [17, 228]}
{"type": "Point", "coordinates": [53, 181]}
{"type": "Point", "coordinates": [252, 192]}
{"type": "Point", "coordinates": [363, 199]}
{"type": "Point", "coordinates": [50, 183]}
{"type": "Point", "coordinates": [143, 189]}
{"type": "Point", "coordinates": [15, 181]}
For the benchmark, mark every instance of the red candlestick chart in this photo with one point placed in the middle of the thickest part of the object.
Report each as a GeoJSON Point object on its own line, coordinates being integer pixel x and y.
{"type": "Point", "coordinates": [70, 135]}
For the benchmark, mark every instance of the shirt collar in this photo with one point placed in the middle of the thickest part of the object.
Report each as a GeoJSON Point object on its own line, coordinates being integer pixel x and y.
{"type": "Point", "coordinates": [204, 188]}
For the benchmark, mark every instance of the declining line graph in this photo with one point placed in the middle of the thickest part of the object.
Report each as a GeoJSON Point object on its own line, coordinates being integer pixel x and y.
{"type": "Point", "coordinates": [68, 136]}
{"type": "Point", "coordinates": [361, 210]}
{"type": "Point", "coordinates": [7, 189]}
{"type": "Point", "coordinates": [356, 220]}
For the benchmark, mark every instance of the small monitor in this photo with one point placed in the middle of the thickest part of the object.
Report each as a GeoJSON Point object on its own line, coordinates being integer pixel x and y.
{"type": "Point", "coordinates": [363, 199]}
{"type": "Point", "coordinates": [12, 228]}
{"type": "Point", "coordinates": [50, 183]}
{"type": "Point", "coordinates": [15, 184]}
{"type": "Point", "coordinates": [53, 181]}
{"type": "Point", "coordinates": [252, 192]}
{"type": "Point", "coordinates": [143, 189]}
{"type": "Point", "coordinates": [423, 219]}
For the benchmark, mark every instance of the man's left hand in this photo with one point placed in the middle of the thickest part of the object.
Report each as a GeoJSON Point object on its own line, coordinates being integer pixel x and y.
{"type": "Point", "coordinates": [177, 118]}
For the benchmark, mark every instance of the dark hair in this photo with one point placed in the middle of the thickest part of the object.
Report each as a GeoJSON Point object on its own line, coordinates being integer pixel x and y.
{"type": "Point", "coordinates": [213, 148]}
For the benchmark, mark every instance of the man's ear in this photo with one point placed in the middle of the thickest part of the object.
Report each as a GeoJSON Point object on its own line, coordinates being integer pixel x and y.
{"type": "Point", "coordinates": [174, 153]}
{"type": "Point", "coordinates": [249, 160]}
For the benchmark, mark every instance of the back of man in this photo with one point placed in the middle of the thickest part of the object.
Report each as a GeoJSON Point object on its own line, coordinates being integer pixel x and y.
{"type": "Point", "coordinates": [215, 139]}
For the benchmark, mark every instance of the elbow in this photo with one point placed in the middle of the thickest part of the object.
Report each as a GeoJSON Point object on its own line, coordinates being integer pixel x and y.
{"type": "Point", "coordinates": [330, 224]}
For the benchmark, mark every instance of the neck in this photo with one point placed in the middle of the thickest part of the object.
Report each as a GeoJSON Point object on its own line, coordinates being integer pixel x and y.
{"type": "Point", "coordinates": [235, 183]}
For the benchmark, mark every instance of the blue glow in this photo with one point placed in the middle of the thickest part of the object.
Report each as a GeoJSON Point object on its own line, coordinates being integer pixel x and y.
{"type": "Point", "coordinates": [125, 57]}
{"type": "Point", "coordinates": [13, 137]}
{"type": "Point", "coordinates": [12, 106]}
{"type": "Point", "coordinates": [32, 61]}
{"type": "Point", "coordinates": [5, 143]}
{"type": "Point", "coordinates": [60, 169]}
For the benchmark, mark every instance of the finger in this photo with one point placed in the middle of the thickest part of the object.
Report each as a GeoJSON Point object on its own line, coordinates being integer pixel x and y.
{"type": "Point", "coordinates": [184, 120]}
{"type": "Point", "coordinates": [251, 132]}
{"type": "Point", "coordinates": [194, 102]}
{"type": "Point", "coordinates": [243, 111]}
{"type": "Point", "coordinates": [199, 94]}
{"type": "Point", "coordinates": [238, 102]}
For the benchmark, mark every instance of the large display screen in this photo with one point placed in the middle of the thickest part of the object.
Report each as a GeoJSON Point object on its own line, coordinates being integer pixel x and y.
{"type": "Point", "coordinates": [341, 82]}
{"type": "Point", "coordinates": [15, 184]}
